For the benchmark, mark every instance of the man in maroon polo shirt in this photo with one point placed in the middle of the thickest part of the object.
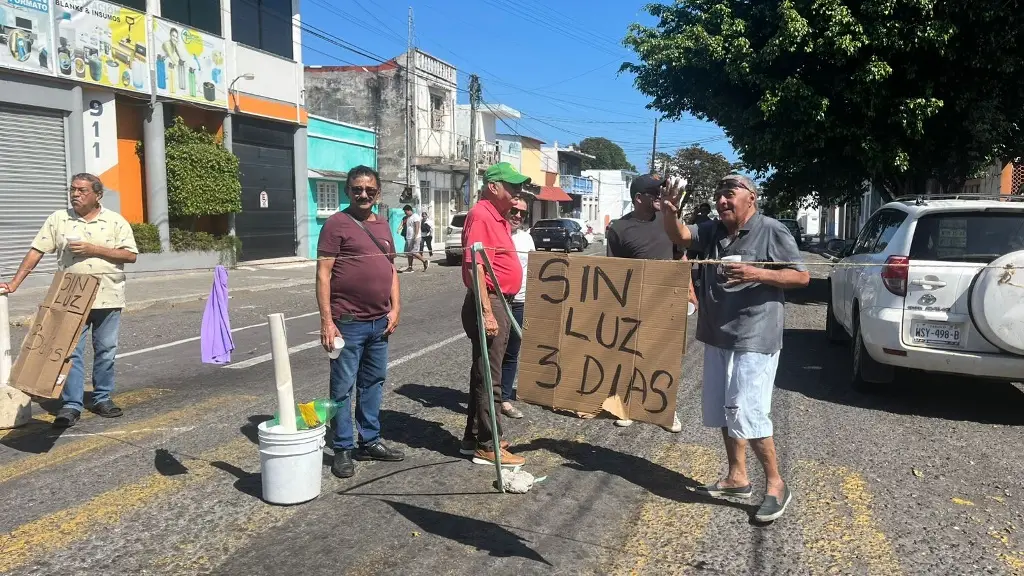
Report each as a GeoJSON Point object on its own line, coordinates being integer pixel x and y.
{"type": "Point", "coordinates": [487, 225]}
{"type": "Point", "coordinates": [357, 293]}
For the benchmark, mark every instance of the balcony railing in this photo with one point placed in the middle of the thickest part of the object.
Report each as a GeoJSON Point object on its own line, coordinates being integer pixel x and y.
{"type": "Point", "coordinates": [487, 153]}
{"type": "Point", "coordinates": [576, 184]}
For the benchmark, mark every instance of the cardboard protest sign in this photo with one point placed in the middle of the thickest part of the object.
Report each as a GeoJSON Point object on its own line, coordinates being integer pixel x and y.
{"type": "Point", "coordinates": [604, 333]}
{"type": "Point", "coordinates": [45, 358]}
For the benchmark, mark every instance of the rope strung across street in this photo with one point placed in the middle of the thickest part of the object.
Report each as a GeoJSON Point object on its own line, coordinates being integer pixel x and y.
{"type": "Point", "coordinates": [1009, 267]}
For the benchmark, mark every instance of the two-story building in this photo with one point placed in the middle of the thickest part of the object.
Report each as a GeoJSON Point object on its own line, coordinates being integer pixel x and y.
{"type": "Point", "coordinates": [410, 102]}
{"type": "Point", "coordinates": [613, 198]}
{"type": "Point", "coordinates": [92, 80]}
{"type": "Point", "coordinates": [583, 193]}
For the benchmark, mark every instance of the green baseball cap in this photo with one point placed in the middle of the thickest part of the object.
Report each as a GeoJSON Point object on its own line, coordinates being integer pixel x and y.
{"type": "Point", "coordinates": [505, 172]}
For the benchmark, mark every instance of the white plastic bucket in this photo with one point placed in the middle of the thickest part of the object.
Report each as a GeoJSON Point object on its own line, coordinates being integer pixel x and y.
{"type": "Point", "coordinates": [291, 464]}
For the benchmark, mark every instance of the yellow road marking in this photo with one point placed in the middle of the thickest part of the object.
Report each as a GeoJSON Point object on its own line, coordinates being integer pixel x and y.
{"type": "Point", "coordinates": [42, 421]}
{"type": "Point", "coordinates": [840, 533]}
{"type": "Point", "coordinates": [66, 452]}
{"type": "Point", "coordinates": [59, 529]}
{"type": "Point", "coordinates": [669, 531]}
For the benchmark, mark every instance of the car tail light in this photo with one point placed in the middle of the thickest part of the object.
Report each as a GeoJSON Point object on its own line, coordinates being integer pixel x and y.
{"type": "Point", "coordinates": [894, 274]}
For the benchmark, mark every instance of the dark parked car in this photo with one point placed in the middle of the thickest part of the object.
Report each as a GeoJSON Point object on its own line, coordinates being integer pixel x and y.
{"type": "Point", "coordinates": [558, 234]}
{"type": "Point", "coordinates": [795, 230]}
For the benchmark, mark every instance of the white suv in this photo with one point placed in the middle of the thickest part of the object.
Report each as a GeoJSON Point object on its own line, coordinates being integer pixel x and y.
{"type": "Point", "coordinates": [453, 239]}
{"type": "Point", "coordinates": [934, 284]}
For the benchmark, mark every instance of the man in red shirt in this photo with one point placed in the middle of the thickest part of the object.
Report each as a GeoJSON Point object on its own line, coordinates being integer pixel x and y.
{"type": "Point", "coordinates": [487, 225]}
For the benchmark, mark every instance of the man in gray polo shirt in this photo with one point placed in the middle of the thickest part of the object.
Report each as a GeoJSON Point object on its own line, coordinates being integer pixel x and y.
{"type": "Point", "coordinates": [740, 321]}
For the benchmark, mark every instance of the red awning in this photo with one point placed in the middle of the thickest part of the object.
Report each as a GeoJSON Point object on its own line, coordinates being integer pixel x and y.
{"type": "Point", "coordinates": [553, 194]}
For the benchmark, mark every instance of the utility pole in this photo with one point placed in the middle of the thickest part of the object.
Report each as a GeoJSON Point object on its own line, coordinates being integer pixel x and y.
{"type": "Point", "coordinates": [410, 113]}
{"type": "Point", "coordinates": [654, 147]}
{"type": "Point", "coordinates": [474, 105]}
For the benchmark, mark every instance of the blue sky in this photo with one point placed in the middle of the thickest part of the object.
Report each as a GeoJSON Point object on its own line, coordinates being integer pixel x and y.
{"type": "Point", "coordinates": [555, 62]}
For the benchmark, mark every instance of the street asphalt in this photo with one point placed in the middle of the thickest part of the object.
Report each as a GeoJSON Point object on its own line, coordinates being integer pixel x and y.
{"type": "Point", "coordinates": [920, 479]}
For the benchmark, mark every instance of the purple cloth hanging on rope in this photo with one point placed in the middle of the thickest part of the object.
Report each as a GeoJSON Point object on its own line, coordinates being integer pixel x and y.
{"type": "Point", "coordinates": [215, 338]}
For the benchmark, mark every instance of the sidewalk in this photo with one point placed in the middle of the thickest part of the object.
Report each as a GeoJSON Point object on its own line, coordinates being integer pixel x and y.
{"type": "Point", "coordinates": [144, 290]}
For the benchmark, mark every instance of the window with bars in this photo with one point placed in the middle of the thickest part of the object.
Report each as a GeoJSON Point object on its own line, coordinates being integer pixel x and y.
{"type": "Point", "coordinates": [327, 201]}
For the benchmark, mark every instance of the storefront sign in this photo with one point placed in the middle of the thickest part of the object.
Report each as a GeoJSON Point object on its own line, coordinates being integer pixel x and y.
{"type": "Point", "coordinates": [102, 43]}
{"type": "Point", "coordinates": [189, 64]}
{"type": "Point", "coordinates": [26, 35]}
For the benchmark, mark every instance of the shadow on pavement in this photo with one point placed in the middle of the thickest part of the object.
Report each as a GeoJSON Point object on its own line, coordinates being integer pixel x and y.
{"type": "Point", "coordinates": [250, 484]}
{"type": "Point", "coordinates": [497, 541]}
{"type": "Point", "coordinates": [251, 430]}
{"type": "Point", "coordinates": [809, 365]}
{"type": "Point", "coordinates": [816, 292]}
{"type": "Point", "coordinates": [436, 396]}
{"type": "Point", "coordinates": [36, 437]}
{"type": "Point", "coordinates": [652, 477]}
{"type": "Point", "coordinates": [167, 464]}
{"type": "Point", "coordinates": [416, 432]}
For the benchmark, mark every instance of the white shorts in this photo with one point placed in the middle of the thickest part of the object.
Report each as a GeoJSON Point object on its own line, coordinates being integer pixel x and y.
{"type": "Point", "coordinates": [738, 391]}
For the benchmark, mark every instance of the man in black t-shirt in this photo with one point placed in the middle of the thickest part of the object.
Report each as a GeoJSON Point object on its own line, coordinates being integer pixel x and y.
{"type": "Point", "coordinates": [641, 234]}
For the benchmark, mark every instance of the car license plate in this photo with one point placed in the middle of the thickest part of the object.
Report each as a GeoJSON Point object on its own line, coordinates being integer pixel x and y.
{"type": "Point", "coordinates": [940, 333]}
{"type": "Point", "coordinates": [546, 239]}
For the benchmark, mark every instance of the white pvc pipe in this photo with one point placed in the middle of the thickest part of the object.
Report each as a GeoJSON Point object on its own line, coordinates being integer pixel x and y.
{"type": "Point", "coordinates": [282, 373]}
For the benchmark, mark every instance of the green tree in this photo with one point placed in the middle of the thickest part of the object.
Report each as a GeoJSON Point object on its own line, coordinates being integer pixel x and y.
{"type": "Point", "coordinates": [607, 155]}
{"type": "Point", "coordinates": [823, 96]}
{"type": "Point", "coordinates": [702, 170]}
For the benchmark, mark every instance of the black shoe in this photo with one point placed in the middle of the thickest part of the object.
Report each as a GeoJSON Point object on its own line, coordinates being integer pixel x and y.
{"type": "Point", "coordinates": [107, 409]}
{"type": "Point", "coordinates": [343, 466]}
{"type": "Point", "coordinates": [66, 418]}
{"type": "Point", "coordinates": [380, 452]}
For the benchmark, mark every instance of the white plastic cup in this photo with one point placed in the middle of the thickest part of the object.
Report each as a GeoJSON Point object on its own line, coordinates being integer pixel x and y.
{"type": "Point", "coordinates": [733, 258]}
{"type": "Point", "coordinates": [339, 343]}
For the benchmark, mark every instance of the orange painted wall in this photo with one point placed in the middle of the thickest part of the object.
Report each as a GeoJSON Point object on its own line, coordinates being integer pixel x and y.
{"type": "Point", "coordinates": [128, 176]}
{"type": "Point", "coordinates": [1006, 179]}
{"type": "Point", "coordinates": [200, 118]}
{"type": "Point", "coordinates": [245, 104]}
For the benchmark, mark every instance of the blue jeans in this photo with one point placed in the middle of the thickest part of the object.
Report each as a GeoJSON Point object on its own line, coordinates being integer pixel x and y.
{"type": "Point", "coordinates": [510, 365]}
{"type": "Point", "coordinates": [362, 365]}
{"type": "Point", "coordinates": [106, 326]}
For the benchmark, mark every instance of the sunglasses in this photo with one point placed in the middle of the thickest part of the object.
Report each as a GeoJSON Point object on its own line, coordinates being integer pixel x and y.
{"type": "Point", "coordinates": [359, 190]}
{"type": "Point", "coordinates": [518, 212]}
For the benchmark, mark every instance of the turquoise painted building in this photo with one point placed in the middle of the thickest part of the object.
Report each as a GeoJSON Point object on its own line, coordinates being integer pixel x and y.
{"type": "Point", "coordinates": [334, 148]}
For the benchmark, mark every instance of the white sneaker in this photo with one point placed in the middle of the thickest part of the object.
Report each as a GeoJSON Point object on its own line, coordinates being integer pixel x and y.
{"type": "Point", "coordinates": [623, 423]}
{"type": "Point", "coordinates": [677, 426]}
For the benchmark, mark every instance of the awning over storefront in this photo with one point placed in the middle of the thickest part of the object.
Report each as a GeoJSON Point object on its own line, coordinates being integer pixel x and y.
{"type": "Point", "coordinates": [553, 194]}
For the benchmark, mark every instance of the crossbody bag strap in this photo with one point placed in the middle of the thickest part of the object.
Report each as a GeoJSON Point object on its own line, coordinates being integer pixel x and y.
{"type": "Point", "coordinates": [368, 233]}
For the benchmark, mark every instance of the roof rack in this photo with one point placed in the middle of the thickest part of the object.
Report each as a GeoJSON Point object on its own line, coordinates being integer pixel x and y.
{"type": "Point", "coordinates": [920, 199]}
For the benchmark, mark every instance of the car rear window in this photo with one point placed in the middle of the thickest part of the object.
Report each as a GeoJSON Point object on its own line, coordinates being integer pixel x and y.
{"type": "Point", "coordinates": [458, 220]}
{"type": "Point", "coordinates": [967, 236]}
{"type": "Point", "coordinates": [549, 224]}
{"type": "Point", "coordinates": [792, 225]}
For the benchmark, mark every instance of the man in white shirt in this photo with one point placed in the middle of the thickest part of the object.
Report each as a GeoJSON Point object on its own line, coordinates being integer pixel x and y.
{"type": "Point", "coordinates": [88, 239]}
{"type": "Point", "coordinates": [411, 229]}
{"type": "Point", "coordinates": [510, 365]}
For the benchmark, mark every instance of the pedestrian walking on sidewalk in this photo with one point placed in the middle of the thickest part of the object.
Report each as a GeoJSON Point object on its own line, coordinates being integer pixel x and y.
{"type": "Point", "coordinates": [427, 235]}
{"type": "Point", "coordinates": [523, 242]}
{"type": "Point", "coordinates": [411, 231]}
{"type": "Point", "coordinates": [640, 234]}
{"type": "Point", "coordinates": [357, 293]}
{"type": "Point", "coordinates": [485, 223]}
{"type": "Point", "coordinates": [740, 322]}
{"type": "Point", "coordinates": [88, 239]}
